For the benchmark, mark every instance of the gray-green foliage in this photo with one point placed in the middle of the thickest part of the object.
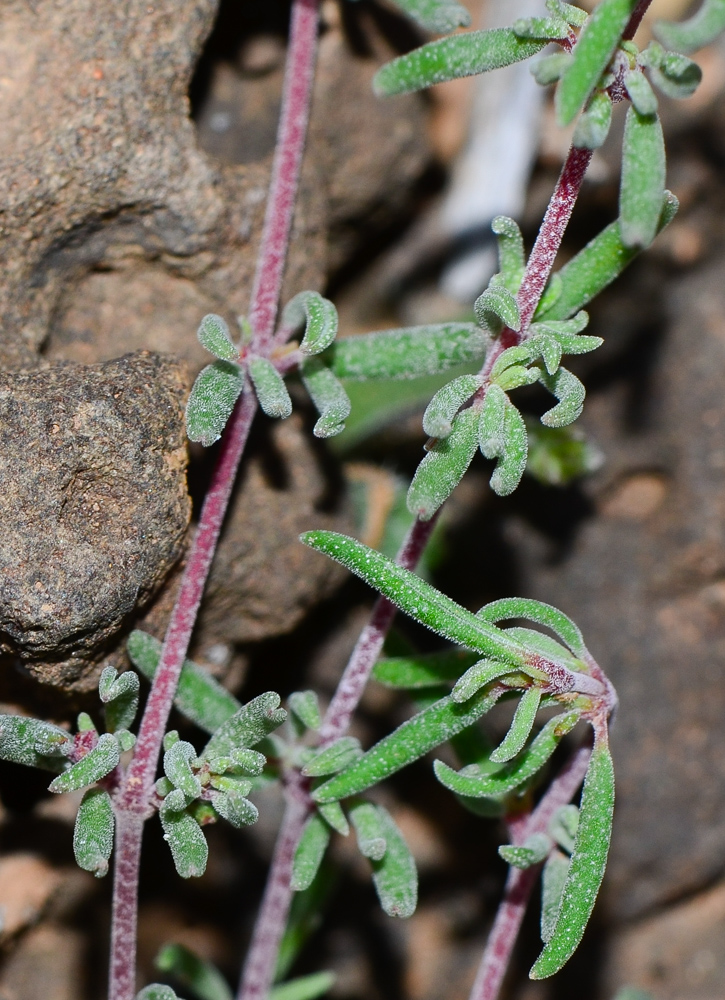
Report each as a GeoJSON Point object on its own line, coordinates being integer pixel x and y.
{"type": "Point", "coordinates": [319, 317]}
{"type": "Point", "coordinates": [93, 833]}
{"type": "Point", "coordinates": [435, 15]}
{"type": "Point", "coordinates": [410, 352]}
{"type": "Point", "coordinates": [33, 742]}
{"type": "Point", "coordinates": [643, 179]}
{"type": "Point", "coordinates": [120, 696]}
{"type": "Point", "coordinates": [328, 395]}
{"type": "Point", "coordinates": [270, 388]}
{"type": "Point", "coordinates": [699, 30]}
{"type": "Point", "coordinates": [157, 991]}
{"type": "Point", "coordinates": [394, 874]}
{"type": "Point", "coordinates": [310, 852]}
{"type": "Point", "coordinates": [96, 764]}
{"type": "Point", "coordinates": [212, 400]}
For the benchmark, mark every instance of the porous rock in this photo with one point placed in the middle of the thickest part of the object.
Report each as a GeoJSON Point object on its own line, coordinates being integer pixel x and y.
{"type": "Point", "coordinates": [94, 505]}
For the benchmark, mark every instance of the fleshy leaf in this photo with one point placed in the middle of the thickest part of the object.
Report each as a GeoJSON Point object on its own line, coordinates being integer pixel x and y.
{"type": "Point", "coordinates": [549, 69]}
{"type": "Point", "coordinates": [588, 862]}
{"type": "Point", "coordinates": [414, 596]}
{"type": "Point", "coordinates": [424, 670]}
{"type": "Point", "coordinates": [496, 308]}
{"type": "Point", "coordinates": [553, 879]}
{"type": "Point", "coordinates": [410, 352]}
{"type": "Point", "coordinates": [213, 334]}
{"type": "Point", "coordinates": [119, 693]}
{"type": "Point", "coordinates": [436, 15]}
{"type": "Point", "coordinates": [235, 808]}
{"type": "Point", "coordinates": [96, 764]}
{"type": "Point", "coordinates": [525, 766]}
{"type": "Point", "coordinates": [202, 978]}
{"type": "Point", "coordinates": [333, 758]}
{"type": "Point", "coordinates": [643, 179]}
{"type": "Point", "coordinates": [697, 31]}
{"type": "Point", "coordinates": [304, 987]}
{"type": "Point", "coordinates": [508, 608]}
{"type": "Point", "coordinates": [270, 388]}
{"type": "Point", "coordinates": [334, 816]}
{"type": "Point", "coordinates": [444, 466]}
{"type": "Point", "coordinates": [319, 316]}
{"type": "Point", "coordinates": [369, 830]}
{"type": "Point", "coordinates": [596, 46]}
{"type": "Point", "coordinates": [640, 92]}
{"type": "Point", "coordinates": [549, 648]}
{"type": "Point", "coordinates": [511, 260]}
{"type": "Point", "coordinates": [551, 29]}
{"type": "Point", "coordinates": [199, 697]}
{"type": "Point", "coordinates": [491, 424]}
{"type": "Point", "coordinates": [515, 448]}
{"type": "Point", "coordinates": [564, 825]}
{"type": "Point", "coordinates": [310, 852]}
{"type": "Point", "coordinates": [395, 876]}
{"type": "Point", "coordinates": [593, 126]}
{"type": "Point", "coordinates": [569, 391]}
{"type": "Point", "coordinates": [478, 676]}
{"type": "Point", "coordinates": [426, 730]}
{"type": "Point", "coordinates": [33, 742]}
{"type": "Point", "coordinates": [212, 400]}
{"type": "Point", "coordinates": [574, 16]}
{"type": "Point", "coordinates": [93, 833]}
{"type": "Point", "coordinates": [177, 768]}
{"type": "Point", "coordinates": [157, 991]}
{"type": "Point", "coordinates": [531, 852]}
{"type": "Point", "coordinates": [329, 396]}
{"type": "Point", "coordinates": [250, 724]}
{"type": "Point", "coordinates": [675, 75]}
{"type": "Point", "coordinates": [460, 55]}
{"type": "Point", "coordinates": [305, 706]}
{"type": "Point", "coordinates": [520, 730]}
{"type": "Point", "coordinates": [184, 836]}
{"type": "Point", "coordinates": [514, 377]}
{"type": "Point", "coordinates": [442, 409]}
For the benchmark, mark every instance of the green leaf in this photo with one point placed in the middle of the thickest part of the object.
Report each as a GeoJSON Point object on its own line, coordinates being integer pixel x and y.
{"type": "Point", "coordinates": [549, 69]}
{"type": "Point", "coordinates": [491, 424]}
{"type": "Point", "coordinates": [250, 724]}
{"type": "Point", "coordinates": [547, 647]}
{"type": "Point", "coordinates": [697, 31]}
{"type": "Point", "coordinates": [177, 768]}
{"type": "Point", "coordinates": [270, 388]}
{"type": "Point", "coordinates": [601, 261]}
{"type": "Point", "coordinates": [202, 978]}
{"type": "Point", "coordinates": [596, 45]}
{"type": "Point", "coordinates": [514, 451]}
{"type": "Point", "coordinates": [395, 876]}
{"type": "Point", "coordinates": [436, 15]}
{"type": "Point", "coordinates": [410, 352]}
{"type": "Point", "coordinates": [305, 916]}
{"type": "Point", "coordinates": [508, 608]}
{"type": "Point", "coordinates": [477, 785]}
{"type": "Point", "coordinates": [444, 466]}
{"type": "Point", "coordinates": [319, 317]}
{"type": "Point", "coordinates": [33, 742]}
{"type": "Point", "coordinates": [369, 830]}
{"type": "Point", "coordinates": [212, 400]}
{"type": "Point", "coordinates": [450, 58]}
{"type": "Point", "coordinates": [520, 730]}
{"type": "Point", "coordinates": [304, 987]}
{"type": "Point", "coordinates": [85, 723]}
{"type": "Point", "coordinates": [442, 409]}
{"type": "Point", "coordinates": [588, 862]}
{"type": "Point", "coordinates": [310, 852]}
{"type": "Point", "coordinates": [334, 816]}
{"type": "Point", "coordinates": [424, 670]}
{"type": "Point", "coordinates": [305, 706]}
{"type": "Point", "coordinates": [511, 259]}
{"type": "Point", "coordinates": [675, 75]}
{"type": "Point", "coordinates": [532, 852]}
{"type": "Point", "coordinates": [213, 334]}
{"type": "Point", "coordinates": [643, 179]}
{"type": "Point", "coordinates": [156, 991]}
{"type": "Point", "coordinates": [551, 350]}
{"type": "Point", "coordinates": [235, 808]}
{"type": "Point", "coordinates": [640, 92]}
{"type": "Point", "coordinates": [515, 376]}
{"type": "Point", "coordinates": [478, 676]}
{"type": "Point", "coordinates": [550, 29]}
{"type": "Point", "coordinates": [564, 825]}
{"type": "Point", "coordinates": [593, 126]}
{"type": "Point", "coordinates": [93, 833]}
{"type": "Point", "coordinates": [569, 391]}
{"type": "Point", "coordinates": [411, 594]}
{"type": "Point", "coordinates": [496, 308]}
{"type": "Point", "coordinates": [120, 696]}
{"type": "Point", "coordinates": [199, 697]}
{"type": "Point", "coordinates": [333, 758]}
{"type": "Point", "coordinates": [553, 880]}
{"type": "Point", "coordinates": [412, 740]}
{"type": "Point", "coordinates": [329, 396]}
{"type": "Point", "coordinates": [574, 16]}
{"type": "Point", "coordinates": [184, 836]}
{"type": "Point", "coordinates": [96, 764]}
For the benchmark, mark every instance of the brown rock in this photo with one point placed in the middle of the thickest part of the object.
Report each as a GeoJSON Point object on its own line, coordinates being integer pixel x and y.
{"type": "Point", "coordinates": [27, 884]}
{"type": "Point", "coordinates": [48, 963]}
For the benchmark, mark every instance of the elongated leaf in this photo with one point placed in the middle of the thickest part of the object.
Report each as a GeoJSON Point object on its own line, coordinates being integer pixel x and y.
{"type": "Point", "coordinates": [369, 829]}
{"type": "Point", "coordinates": [202, 978]}
{"type": "Point", "coordinates": [93, 833]}
{"type": "Point", "coordinates": [436, 15]}
{"type": "Point", "coordinates": [304, 987]}
{"type": "Point", "coordinates": [213, 396]}
{"type": "Point", "coordinates": [395, 876]}
{"type": "Point", "coordinates": [440, 412]}
{"type": "Point", "coordinates": [157, 991]}
{"type": "Point", "coordinates": [411, 594]}
{"type": "Point", "coordinates": [496, 308]}
{"type": "Point", "coordinates": [516, 376]}
{"type": "Point", "coordinates": [310, 852]}
{"type": "Point", "coordinates": [444, 466]}
{"type": "Point", "coordinates": [319, 316]}
{"type": "Point", "coordinates": [235, 808]}
{"type": "Point", "coordinates": [643, 179]}
{"type": "Point", "coordinates": [306, 707]}
{"type": "Point", "coordinates": [549, 69]}
{"type": "Point", "coordinates": [213, 334]}
{"type": "Point", "coordinates": [553, 880]}
{"type": "Point", "coordinates": [96, 764]}
{"type": "Point", "coordinates": [596, 46]}
{"type": "Point", "coordinates": [511, 259]}
{"type": "Point", "coordinates": [551, 350]}
{"type": "Point", "coordinates": [640, 92]}
{"type": "Point", "coordinates": [199, 697]}
{"type": "Point", "coordinates": [177, 768]}
{"type": "Point", "coordinates": [250, 724]}
{"type": "Point", "coordinates": [329, 396]}
{"type": "Point", "coordinates": [569, 391]}
{"type": "Point", "coordinates": [545, 645]}
{"type": "Point", "coordinates": [426, 730]}
{"type": "Point", "coordinates": [520, 729]}
{"type": "Point", "coordinates": [588, 862]}
{"type": "Point", "coordinates": [517, 772]}
{"type": "Point", "coordinates": [510, 466]}
{"type": "Point", "coordinates": [425, 670]}
{"type": "Point", "coordinates": [601, 261]}
{"type": "Point", "coordinates": [334, 816]}
{"type": "Point", "coordinates": [120, 696]}
{"type": "Point", "coordinates": [551, 29]}
{"type": "Point", "coordinates": [478, 676]}
{"type": "Point", "coordinates": [571, 14]}
{"type": "Point", "coordinates": [333, 758]}
{"type": "Point", "coordinates": [410, 352]}
{"type": "Point", "coordinates": [270, 388]}
{"type": "Point", "coordinates": [450, 58]}
{"type": "Point", "coordinates": [531, 852]}
{"type": "Point", "coordinates": [184, 836]}
{"type": "Point", "coordinates": [593, 126]}
{"type": "Point", "coordinates": [33, 742]}
{"type": "Point", "coordinates": [564, 825]}
{"type": "Point", "coordinates": [697, 31]}
{"type": "Point", "coordinates": [543, 614]}
{"type": "Point", "coordinates": [491, 424]}
{"type": "Point", "coordinates": [675, 75]}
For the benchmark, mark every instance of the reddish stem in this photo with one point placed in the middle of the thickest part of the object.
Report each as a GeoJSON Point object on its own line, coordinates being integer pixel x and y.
{"type": "Point", "coordinates": [636, 19]}
{"type": "Point", "coordinates": [129, 830]}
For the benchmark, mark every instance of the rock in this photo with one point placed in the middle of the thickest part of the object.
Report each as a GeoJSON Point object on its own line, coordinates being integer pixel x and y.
{"type": "Point", "coordinates": [94, 506]}
{"type": "Point", "coordinates": [49, 962]}
{"type": "Point", "coordinates": [27, 884]}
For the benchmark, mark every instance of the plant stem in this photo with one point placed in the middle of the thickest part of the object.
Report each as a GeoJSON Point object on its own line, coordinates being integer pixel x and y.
{"type": "Point", "coordinates": [520, 883]}
{"type": "Point", "coordinates": [636, 19]}
{"type": "Point", "coordinates": [132, 804]}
